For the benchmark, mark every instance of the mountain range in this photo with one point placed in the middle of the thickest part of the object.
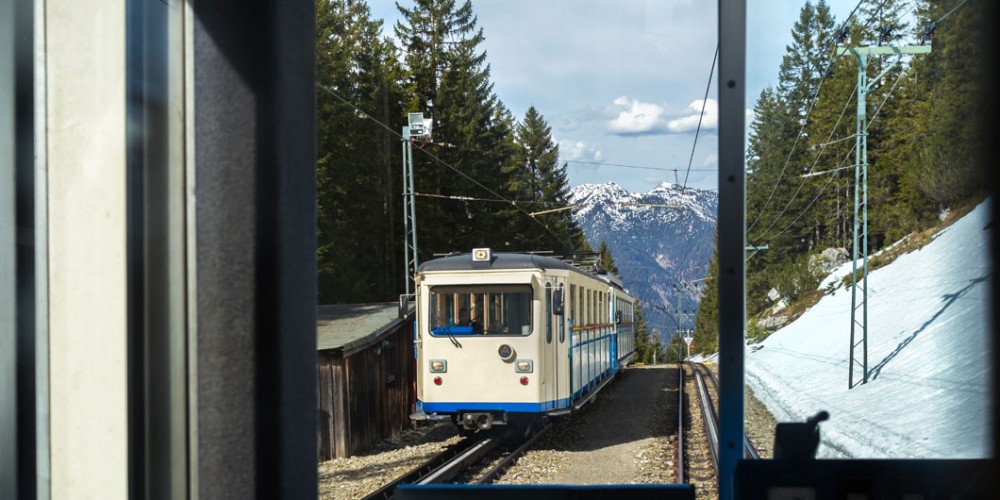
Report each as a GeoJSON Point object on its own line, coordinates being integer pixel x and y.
{"type": "Point", "coordinates": [662, 242]}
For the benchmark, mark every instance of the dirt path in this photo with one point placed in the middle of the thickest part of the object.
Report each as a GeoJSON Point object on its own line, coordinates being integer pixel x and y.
{"type": "Point", "coordinates": [625, 436]}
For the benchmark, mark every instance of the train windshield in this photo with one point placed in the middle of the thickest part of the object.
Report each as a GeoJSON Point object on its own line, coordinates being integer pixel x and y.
{"type": "Point", "coordinates": [480, 310]}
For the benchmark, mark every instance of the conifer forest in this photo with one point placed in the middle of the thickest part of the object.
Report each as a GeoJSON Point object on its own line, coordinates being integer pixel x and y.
{"type": "Point", "coordinates": [484, 174]}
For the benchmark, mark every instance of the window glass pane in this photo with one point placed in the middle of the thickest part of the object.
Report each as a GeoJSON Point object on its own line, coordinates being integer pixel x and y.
{"type": "Point", "coordinates": [572, 313]}
{"type": "Point", "coordinates": [481, 309]}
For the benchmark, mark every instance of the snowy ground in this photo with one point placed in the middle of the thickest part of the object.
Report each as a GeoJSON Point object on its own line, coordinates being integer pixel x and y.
{"type": "Point", "coordinates": [929, 378]}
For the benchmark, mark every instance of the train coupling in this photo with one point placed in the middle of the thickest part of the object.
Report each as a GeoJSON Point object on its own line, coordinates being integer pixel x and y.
{"type": "Point", "coordinates": [477, 420]}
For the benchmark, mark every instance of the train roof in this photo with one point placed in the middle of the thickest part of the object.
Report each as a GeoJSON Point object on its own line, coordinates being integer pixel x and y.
{"type": "Point", "coordinates": [505, 261]}
{"type": "Point", "coordinates": [464, 262]}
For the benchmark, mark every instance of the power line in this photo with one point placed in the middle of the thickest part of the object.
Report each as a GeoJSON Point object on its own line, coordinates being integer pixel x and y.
{"type": "Point", "coordinates": [368, 116]}
{"type": "Point", "coordinates": [704, 101]}
{"type": "Point", "coordinates": [801, 212]}
{"type": "Point", "coordinates": [471, 198]}
{"type": "Point", "coordinates": [665, 169]}
{"type": "Point", "coordinates": [558, 206]}
{"type": "Point", "coordinates": [950, 11]}
{"type": "Point", "coordinates": [823, 146]}
{"type": "Point", "coordinates": [812, 104]}
{"type": "Point", "coordinates": [792, 198]}
{"type": "Point", "coordinates": [815, 198]}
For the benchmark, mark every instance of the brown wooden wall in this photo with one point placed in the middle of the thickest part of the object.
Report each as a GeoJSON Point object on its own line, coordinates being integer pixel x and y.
{"type": "Point", "coordinates": [367, 396]}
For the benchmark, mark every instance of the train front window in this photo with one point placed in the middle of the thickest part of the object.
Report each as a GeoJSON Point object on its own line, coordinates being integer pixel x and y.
{"type": "Point", "coordinates": [480, 310]}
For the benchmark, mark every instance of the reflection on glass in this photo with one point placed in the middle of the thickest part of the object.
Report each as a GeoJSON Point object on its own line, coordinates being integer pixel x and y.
{"type": "Point", "coordinates": [489, 309]}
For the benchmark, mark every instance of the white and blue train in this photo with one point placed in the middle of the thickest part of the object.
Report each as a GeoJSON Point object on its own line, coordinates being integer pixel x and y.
{"type": "Point", "coordinates": [505, 338]}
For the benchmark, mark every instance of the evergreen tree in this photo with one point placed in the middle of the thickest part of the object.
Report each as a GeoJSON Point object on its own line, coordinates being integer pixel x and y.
{"type": "Point", "coordinates": [830, 141]}
{"type": "Point", "coordinates": [606, 259]}
{"type": "Point", "coordinates": [797, 130]}
{"type": "Point", "coordinates": [675, 351]}
{"type": "Point", "coordinates": [644, 345]}
{"type": "Point", "coordinates": [357, 175]}
{"type": "Point", "coordinates": [949, 168]}
{"type": "Point", "coordinates": [449, 80]}
{"type": "Point", "coordinates": [706, 320]}
{"type": "Point", "coordinates": [535, 178]}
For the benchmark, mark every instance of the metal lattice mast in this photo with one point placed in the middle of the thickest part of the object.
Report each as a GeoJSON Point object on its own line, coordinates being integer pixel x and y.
{"type": "Point", "coordinates": [859, 340]}
{"type": "Point", "coordinates": [417, 128]}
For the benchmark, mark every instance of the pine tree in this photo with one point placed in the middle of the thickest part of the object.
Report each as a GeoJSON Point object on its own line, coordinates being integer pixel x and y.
{"type": "Point", "coordinates": [644, 345]}
{"type": "Point", "coordinates": [606, 259]}
{"type": "Point", "coordinates": [706, 320]}
{"type": "Point", "coordinates": [450, 81]}
{"type": "Point", "coordinates": [534, 179]}
{"type": "Point", "coordinates": [357, 160]}
{"type": "Point", "coordinates": [829, 140]}
{"type": "Point", "coordinates": [950, 167]}
{"type": "Point", "coordinates": [795, 132]}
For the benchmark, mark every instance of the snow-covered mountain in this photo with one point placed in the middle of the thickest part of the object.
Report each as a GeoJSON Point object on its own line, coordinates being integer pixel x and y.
{"type": "Point", "coordinates": [660, 240]}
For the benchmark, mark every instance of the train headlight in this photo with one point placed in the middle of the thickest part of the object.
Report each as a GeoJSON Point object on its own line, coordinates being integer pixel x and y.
{"type": "Point", "coordinates": [438, 366]}
{"type": "Point", "coordinates": [523, 366]}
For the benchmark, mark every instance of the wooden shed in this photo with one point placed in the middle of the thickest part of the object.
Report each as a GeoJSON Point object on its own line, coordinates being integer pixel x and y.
{"type": "Point", "coordinates": [366, 376]}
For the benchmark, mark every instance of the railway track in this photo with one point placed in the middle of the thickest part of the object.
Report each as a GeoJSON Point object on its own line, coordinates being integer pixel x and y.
{"type": "Point", "coordinates": [465, 458]}
{"type": "Point", "coordinates": [484, 457]}
{"type": "Point", "coordinates": [749, 450]}
{"type": "Point", "coordinates": [700, 441]}
{"type": "Point", "coordinates": [497, 470]}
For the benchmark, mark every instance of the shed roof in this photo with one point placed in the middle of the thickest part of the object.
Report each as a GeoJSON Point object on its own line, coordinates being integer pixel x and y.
{"type": "Point", "coordinates": [348, 326]}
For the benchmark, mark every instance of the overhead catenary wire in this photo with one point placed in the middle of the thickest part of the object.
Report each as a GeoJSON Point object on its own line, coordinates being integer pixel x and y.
{"type": "Point", "coordinates": [561, 208]}
{"type": "Point", "coordinates": [963, 2]}
{"type": "Point", "coordinates": [815, 162]}
{"type": "Point", "coordinates": [701, 115]}
{"type": "Point", "coordinates": [812, 104]}
{"type": "Point", "coordinates": [846, 157]}
{"type": "Point", "coordinates": [665, 169]}
{"type": "Point", "coordinates": [368, 116]}
{"type": "Point", "coordinates": [821, 190]}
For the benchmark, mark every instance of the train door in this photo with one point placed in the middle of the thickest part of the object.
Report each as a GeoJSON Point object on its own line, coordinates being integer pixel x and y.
{"type": "Point", "coordinates": [553, 322]}
{"type": "Point", "coordinates": [614, 318]}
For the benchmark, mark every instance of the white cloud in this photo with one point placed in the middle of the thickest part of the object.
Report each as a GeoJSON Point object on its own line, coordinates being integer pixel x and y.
{"type": "Point", "coordinates": [711, 159]}
{"type": "Point", "coordinates": [570, 150]}
{"type": "Point", "coordinates": [636, 117]}
{"type": "Point", "coordinates": [710, 119]}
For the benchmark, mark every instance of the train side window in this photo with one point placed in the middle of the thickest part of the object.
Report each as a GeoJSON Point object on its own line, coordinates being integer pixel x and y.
{"type": "Point", "coordinates": [602, 306]}
{"type": "Point", "coordinates": [590, 306]}
{"type": "Point", "coordinates": [597, 307]}
{"type": "Point", "coordinates": [573, 311]}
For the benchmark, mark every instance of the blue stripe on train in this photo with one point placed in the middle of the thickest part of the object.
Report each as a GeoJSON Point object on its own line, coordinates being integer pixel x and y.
{"type": "Point", "coordinates": [494, 406]}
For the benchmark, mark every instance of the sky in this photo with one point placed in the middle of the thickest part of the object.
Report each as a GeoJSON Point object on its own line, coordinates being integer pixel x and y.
{"type": "Point", "coordinates": [622, 83]}
{"type": "Point", "coordinates": [928, 393]}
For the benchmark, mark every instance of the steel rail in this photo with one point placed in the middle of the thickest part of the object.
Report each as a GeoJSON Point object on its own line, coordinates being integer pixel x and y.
{"type": "Point", "coordinates": [422, 470]}
{"type": "Point", "coordinates": [501, 467]}
{"type": "Point", "coordinates": [680, 423]}
{"type": "Point", "coordinates": [749, 450]}
{"type": "Point", "coordinates": [459, 463]}
{"type": "Point", "coordinates": [709, 416]}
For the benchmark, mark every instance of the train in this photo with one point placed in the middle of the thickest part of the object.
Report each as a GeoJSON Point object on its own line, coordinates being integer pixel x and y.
{"type": "Point", "coordinates": [506, 339]}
